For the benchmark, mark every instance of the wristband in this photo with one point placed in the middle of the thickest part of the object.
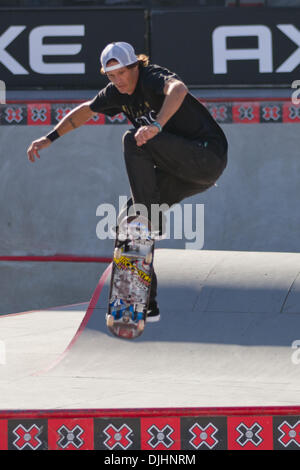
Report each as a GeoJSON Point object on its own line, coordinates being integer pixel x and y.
{"type": "Point", "coordinates": [156, 124]}
{"type": "Point", "coordinates": [53, 135]}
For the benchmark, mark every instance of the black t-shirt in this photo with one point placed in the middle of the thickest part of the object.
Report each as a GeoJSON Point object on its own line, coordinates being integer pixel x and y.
{"type": "Point", "coordinates": [192, 120]}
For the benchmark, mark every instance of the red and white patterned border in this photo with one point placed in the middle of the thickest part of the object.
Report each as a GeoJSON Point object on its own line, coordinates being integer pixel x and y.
{"type": "Point", "coordinates": [225, 112]}
{"type": "Point", "coordinates": [152, 429]}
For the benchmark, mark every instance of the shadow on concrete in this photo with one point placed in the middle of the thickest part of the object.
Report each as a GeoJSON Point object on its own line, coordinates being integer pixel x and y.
{"type": "Point", "coordinates": [223, 301]}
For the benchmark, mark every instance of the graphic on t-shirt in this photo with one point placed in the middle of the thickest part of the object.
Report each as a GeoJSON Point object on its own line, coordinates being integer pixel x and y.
{"type": "Point", "coordinates": [142, 116]}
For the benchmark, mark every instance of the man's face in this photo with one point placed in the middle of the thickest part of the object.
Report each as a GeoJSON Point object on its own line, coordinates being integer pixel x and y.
{"type": "Point", "coordinates": [124, 79]}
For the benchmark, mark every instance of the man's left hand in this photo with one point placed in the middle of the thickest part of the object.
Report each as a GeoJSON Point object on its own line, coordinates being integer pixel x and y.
{"type": "Point", "coordinates": [145, 133]}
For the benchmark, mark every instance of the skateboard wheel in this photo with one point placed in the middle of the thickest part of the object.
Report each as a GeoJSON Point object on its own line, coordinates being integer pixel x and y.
{"type": "Point", "coordinates": [117, 253]}
{"type": "Point", "coordinates": [148, 258]}
{"type": "Point", "coordinates": [110, 321]}
{"type": "Point", "coordinates": [141, 325]}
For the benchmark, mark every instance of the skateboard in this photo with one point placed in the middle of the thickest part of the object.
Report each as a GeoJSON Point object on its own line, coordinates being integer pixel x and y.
{"type": "Point", "coordinates": [131, 278]}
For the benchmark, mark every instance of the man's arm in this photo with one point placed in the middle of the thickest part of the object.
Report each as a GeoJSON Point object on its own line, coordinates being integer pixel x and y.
{"type": "Point", "coordinates": [175, 91]}
{"type": "Point", "coordinates": [75, 118]}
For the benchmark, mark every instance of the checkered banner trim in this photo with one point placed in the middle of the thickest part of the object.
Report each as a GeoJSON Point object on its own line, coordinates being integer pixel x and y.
{"type": "Point", "coordinates": [242, 112]}
{"type": "Point", "coordinates": [157, 433]}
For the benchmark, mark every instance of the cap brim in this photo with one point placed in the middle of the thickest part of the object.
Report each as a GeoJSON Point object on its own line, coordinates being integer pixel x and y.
{"type": "Point", "coordinates": [114, 67]}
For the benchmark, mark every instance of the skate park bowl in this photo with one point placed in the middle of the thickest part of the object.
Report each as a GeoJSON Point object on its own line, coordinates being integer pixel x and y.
{"type": "Point", "coordinates": [221, 368]}
{"type": "Point", "coordinates": [223, 355]}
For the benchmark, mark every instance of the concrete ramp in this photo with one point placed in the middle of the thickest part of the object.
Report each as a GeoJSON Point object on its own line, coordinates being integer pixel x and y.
{"type": "Point", "coordinates": [229, 320]}
{"type": "Point", "coordinates": [30, 341]}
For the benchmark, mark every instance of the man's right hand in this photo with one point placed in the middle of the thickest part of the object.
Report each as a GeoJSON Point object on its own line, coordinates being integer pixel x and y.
{"type": "Point", "coordinates": [36, 146]}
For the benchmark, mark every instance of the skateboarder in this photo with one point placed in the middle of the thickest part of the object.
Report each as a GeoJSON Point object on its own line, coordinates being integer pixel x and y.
{"type": "Point", "coordinates": [175, 149]}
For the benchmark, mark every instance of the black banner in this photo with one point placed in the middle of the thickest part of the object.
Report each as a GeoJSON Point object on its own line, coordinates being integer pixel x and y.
{"type": "Point", "coordinates": [61, 48]}
{"type": "Point", "coordinates": [232, 46]}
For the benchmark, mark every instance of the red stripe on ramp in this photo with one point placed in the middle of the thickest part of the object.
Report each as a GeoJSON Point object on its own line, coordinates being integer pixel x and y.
{"type": "Point", "coordinates": [151, 412]}
{"type": "Point", "coordinates": [89, 313]}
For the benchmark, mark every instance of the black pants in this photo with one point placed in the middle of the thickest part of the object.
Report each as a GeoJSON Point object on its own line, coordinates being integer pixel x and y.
{"type": "Point", "coordinates": [170, 168]}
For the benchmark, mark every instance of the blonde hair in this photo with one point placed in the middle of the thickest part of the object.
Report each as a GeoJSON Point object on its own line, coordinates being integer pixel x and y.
{"type": "Point", "coordinates": [143, 60]}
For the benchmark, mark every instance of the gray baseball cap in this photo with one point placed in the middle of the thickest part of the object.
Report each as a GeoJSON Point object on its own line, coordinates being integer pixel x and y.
{"type": "Point", "coordinates": [121, 51]}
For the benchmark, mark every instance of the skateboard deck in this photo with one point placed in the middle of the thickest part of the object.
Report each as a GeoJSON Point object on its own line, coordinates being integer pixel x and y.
{"type": "Point", "coordinates": [131, 278]}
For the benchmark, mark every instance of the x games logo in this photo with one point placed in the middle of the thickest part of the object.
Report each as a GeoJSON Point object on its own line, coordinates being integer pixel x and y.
{"type": "Point", "coordinates": [27, 437]}
{"type": "Point", "coordinates": [117, 437]}
{"type": "Point", "coordinates": [246, 112]}
{"type": "Point", "coordinates": [203, 436]}
{"type": "Point", "coordinates": [70, 437]}
{"type": "Point", "coordinates": [289, 434]}
{"type": "Point", "coordinates": [13, 114]}
{"type": "Point", "coordinates": [220, 112]}
{"type": "Point", "coordinates": [271, 113]}
{"type": "Point", "coordinates": [160, 436]}
{"type": "Point", "coordinates": [39, 114]}
{"type": "Point", "coordinates": [249, 434]}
